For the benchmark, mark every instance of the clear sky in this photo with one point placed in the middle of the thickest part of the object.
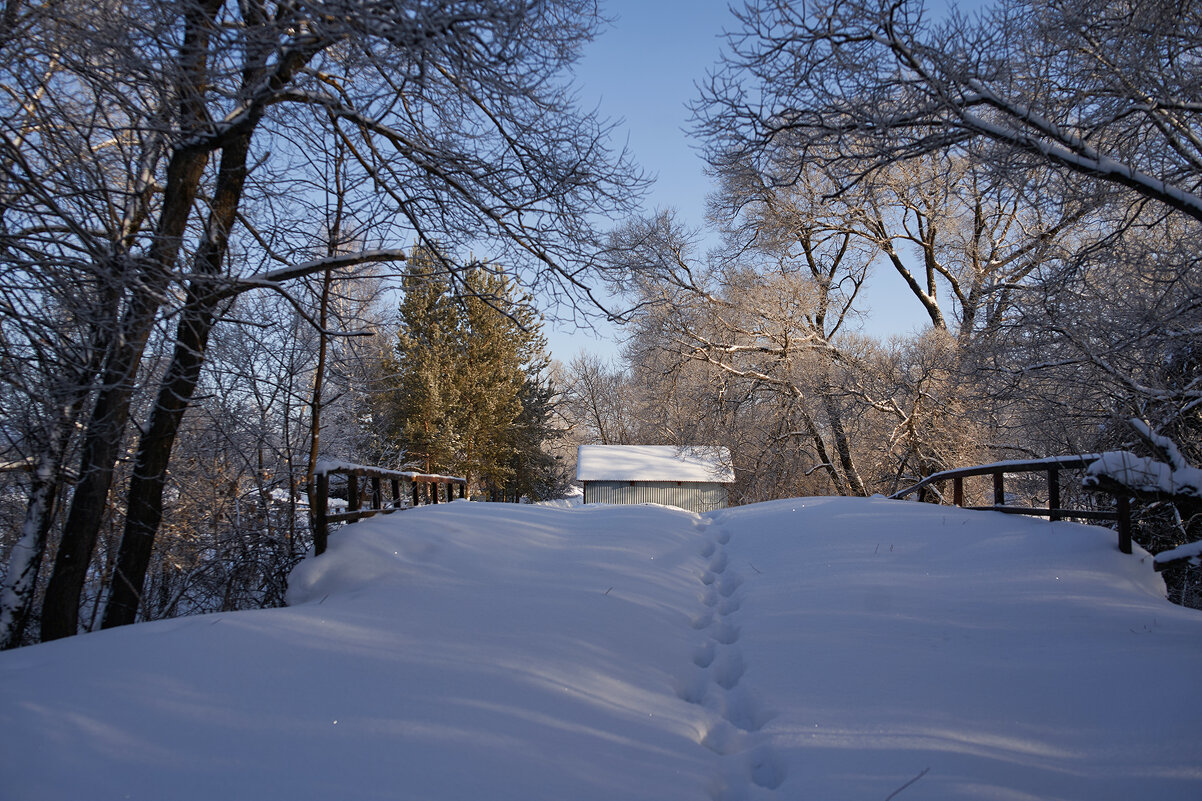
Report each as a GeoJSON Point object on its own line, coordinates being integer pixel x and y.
{"type": "Point", "coordinates": [642, 70]}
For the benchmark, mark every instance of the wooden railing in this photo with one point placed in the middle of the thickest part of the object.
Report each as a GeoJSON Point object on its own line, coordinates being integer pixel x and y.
{"type": "Point", "coordinates": [371, 489]}
{"type": "Point", "coordinates": [1052, 466]}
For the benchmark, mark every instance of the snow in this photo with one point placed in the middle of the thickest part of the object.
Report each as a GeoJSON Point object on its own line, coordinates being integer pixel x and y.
{"type": "Point", "coordinates": [807, 649]}
{"type": "Point", "coordinates": [326, 466]}
{"type": "Point", "coordinates": [654, 463]}
{"type": "Point", "coordinates": [1143, 474]}
{"type": "Point", "coordinates": [1190, 551]}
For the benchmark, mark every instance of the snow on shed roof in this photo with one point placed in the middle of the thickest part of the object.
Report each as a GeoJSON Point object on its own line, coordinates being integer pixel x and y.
{"type": "Point", "coordinates": [703, 463]}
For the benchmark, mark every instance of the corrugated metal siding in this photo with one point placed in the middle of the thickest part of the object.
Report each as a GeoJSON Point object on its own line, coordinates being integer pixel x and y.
{"type": "Point", "coordinates": [694, 497]}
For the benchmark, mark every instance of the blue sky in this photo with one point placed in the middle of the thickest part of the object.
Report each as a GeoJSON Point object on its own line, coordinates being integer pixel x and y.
{"type": "Point", "coordinates": [643, 69]}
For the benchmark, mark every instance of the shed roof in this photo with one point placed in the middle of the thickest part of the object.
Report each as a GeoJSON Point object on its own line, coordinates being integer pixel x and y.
{"type": "Point", "coordinates": [700, 463]}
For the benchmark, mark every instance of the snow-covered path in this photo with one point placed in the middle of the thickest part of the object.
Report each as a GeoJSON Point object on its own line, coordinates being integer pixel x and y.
{"type": "Point", "coordinates": [808, 649]}
{"type": "Point", "coordinates": [733, 730]}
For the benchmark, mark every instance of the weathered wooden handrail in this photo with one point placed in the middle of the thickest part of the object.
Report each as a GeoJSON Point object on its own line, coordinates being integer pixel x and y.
{"type": "Point", "coordinates": [374, 490]}
{"type": "Point", "coordinates": [1052, 467]}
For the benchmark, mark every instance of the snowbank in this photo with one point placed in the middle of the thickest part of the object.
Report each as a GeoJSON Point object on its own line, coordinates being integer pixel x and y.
{"type": "Point", "coordinates": [1143, 474]}
{"type": "Point", "coordinates": [815, 649]}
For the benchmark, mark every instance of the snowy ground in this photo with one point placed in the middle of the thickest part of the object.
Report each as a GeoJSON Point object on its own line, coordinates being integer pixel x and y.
{"type": "Point", "coordinates": [810, 649]}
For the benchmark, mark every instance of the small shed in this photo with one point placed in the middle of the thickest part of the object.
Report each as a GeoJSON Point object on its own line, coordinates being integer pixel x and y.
{"type": "Point", "coordinates": [695, 477]}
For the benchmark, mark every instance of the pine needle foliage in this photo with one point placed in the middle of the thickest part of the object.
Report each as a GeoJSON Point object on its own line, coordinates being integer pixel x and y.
{"type": "Point", "coordinates": [469, 394]}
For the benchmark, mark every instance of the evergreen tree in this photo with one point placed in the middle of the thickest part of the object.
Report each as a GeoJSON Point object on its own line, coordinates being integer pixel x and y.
{"type": "Point", "coordinates": [419, 415]}
{"type": "Point", "coordinates": [491, 378]}
{"type": "Point", "coordinates": [536, 472]}
{"type": "Point", "coordinates": [469, 395]}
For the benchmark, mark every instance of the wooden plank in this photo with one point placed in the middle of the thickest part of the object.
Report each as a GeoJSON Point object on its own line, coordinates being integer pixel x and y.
{"type": "Point", "coordinates": [1124, 515]}
{"type": "Point", "coordinates": [321, 524]}
{"type": "Point", "coordinates": [1039, 511]}
{"type": "Point", "coordinates": [1054, 492]}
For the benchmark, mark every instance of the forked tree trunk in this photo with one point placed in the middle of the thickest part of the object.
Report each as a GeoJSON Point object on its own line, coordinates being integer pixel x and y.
{"type": "Point", "coordinates": [106, 429]}
{"type": "Point", "coordinates": [144, 503]}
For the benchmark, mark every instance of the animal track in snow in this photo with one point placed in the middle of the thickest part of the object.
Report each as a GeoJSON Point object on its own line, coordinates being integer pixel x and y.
{"type": "Point", "coordinates": [728, 584]}
{"type": "Point", "coordinates": [725, 632]}
{"type": "Point", "coordinates": [715, 681]}
{"type": "Point", "coordinates": [766, 769]}
{"type": "Point", "coordinates": [743, 711]}
{"type": "Point", "coordinates": [728, 669]}
{"type": "Point", "coordinates": [722, 738]}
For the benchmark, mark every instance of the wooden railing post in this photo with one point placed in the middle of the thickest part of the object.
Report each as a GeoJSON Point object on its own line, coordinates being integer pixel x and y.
{"type": "Point", "coordinates": [463, 490]}
{"type": "Point", "coordinates": [999, 488]}
{"type": "Point", "coordinates": [367, 499]}
{"type": "Point", "coordinates": [321, 527]}
{"type": "Point", "coordinates": [958, 491]}
{"type": "Point", "coordinates": [352, 493]}
{"type": "Point", "coordinates": [1124, 513]}
{"type": "Point", "coordinates": [1054, 493]}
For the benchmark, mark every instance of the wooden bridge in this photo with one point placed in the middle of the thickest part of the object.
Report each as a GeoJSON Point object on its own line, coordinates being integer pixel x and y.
{"type": "Point", "coordinates": [1052, 467]}
{"type": "Point", "coordinates": [368, 484]}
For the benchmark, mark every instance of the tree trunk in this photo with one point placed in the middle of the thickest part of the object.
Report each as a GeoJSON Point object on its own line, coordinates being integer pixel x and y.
{"type": "Point", "coordinates": [843, 447]}
{"type": "Point", "coordinates": [144, 503]}
{"type": "Point", "coordinates": [106, 429]}
{"type": "Point", "coordinates": [25, 559]}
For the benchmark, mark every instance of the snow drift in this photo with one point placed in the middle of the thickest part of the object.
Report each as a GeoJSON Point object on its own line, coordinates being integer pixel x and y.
{"type": "Point", "coordinates": [808, 649]}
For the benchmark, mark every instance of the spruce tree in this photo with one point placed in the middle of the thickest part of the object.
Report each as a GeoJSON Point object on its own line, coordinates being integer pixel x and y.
{"type": "Point", "coordinates": [427, 357]}
{"type": "Point", "coordinates": [469, 396]}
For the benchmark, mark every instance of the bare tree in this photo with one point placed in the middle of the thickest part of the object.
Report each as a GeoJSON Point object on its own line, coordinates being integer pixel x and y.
{"type": "Point", "coordinates": [597, 402]}
{"type": "Point", "coordinates": [457, 114]}
{"type": "Point", "coordinates": [1072, 128]}
{"type": "Point", "coordinates": [771, 313]}
{"type": "Point", "coordinates": [1080, 86]}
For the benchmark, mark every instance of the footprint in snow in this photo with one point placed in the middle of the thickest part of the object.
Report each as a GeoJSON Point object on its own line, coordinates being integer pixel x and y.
{"type": "Point", "coordinates": [703, 657]}
{"type": "Point", "coordinates": [725, 632]}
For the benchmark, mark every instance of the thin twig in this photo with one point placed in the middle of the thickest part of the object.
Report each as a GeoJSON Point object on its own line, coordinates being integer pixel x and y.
{"type": "Point", "coordinates": [893, 794]}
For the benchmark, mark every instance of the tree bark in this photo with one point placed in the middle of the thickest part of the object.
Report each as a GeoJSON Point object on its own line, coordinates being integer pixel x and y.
{"type": "Point", "coordinates": [144, 511]}
{"type": "Point", "coordinates": [106, 429]}
{"type": "Point", "coordinates": [16, 596]}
